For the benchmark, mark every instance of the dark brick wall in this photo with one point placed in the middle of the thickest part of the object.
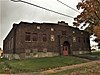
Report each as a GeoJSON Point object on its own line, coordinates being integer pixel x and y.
{"type": "Point", "coordinates": [9, 41]}
{"type": "Point", "coordinates": [18, 35]}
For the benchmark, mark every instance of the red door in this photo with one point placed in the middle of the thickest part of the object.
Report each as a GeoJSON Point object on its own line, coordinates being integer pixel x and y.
{"type": "Point", "coordinates": [65, 50]}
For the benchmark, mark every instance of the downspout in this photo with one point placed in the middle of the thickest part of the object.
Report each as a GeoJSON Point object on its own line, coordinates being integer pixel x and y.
{"type": "Point", "coordinates": [59, 45]}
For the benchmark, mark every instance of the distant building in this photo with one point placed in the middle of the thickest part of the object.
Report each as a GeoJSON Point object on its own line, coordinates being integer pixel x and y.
{"type": "Point", "coordinates": [45, 40]}
{"type": "Point", "coordinates": [1, 52]}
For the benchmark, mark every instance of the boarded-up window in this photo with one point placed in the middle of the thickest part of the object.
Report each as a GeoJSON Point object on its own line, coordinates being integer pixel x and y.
{"type": "Point", "coordinates": [52, 38]}
{"type": "Point", "coordinates": [74, 39]}
{"type": "Point", "coordinates": [52, 29]}
{"type": "Point", "coordinates": [44, 37]}
{"type": "Point", "coordinates": [27, 51]}
{"type": "Point", "coordinates": [34, 37]}
{"type": "Point", "coordinates": [73, 31]}
{"type": "Point", "coordinates": [35, 51]}
{"type": "Point", "coordinates": [27, 36]}
{"type": "Point", "coordinates": [38, 27]}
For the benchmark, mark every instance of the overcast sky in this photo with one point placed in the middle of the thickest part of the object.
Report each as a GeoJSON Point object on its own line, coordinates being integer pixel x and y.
{"type": "Point", "coordinates": [14, 12]}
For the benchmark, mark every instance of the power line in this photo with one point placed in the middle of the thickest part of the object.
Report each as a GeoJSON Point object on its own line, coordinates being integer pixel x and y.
{"type": "Point", "coordinates": [43, 8]}
{"type": "Point", "coordinates": [68, 6]}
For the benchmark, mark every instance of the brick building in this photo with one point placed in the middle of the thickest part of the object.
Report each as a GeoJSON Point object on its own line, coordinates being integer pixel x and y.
{"type": "Point", "coordinates": [45, 39]}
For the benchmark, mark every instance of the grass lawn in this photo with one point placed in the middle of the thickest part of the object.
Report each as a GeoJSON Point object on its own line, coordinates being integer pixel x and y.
{"type": "Point", "coordinates": [38, 64]}
{"type": "Point", "coordinates": [91, 56]}
{"type": "Point", "coordinates": [93, 69]}
{"type": "Point", "coordinates": [96, 54]}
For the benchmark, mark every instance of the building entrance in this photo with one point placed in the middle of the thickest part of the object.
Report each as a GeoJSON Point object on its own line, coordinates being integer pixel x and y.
{"type": "Point", "coordinates": [66, 48]}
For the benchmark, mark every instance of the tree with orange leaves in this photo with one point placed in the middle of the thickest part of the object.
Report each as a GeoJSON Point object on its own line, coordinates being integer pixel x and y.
{"type": "Point", "coordinates": [89, 17]}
